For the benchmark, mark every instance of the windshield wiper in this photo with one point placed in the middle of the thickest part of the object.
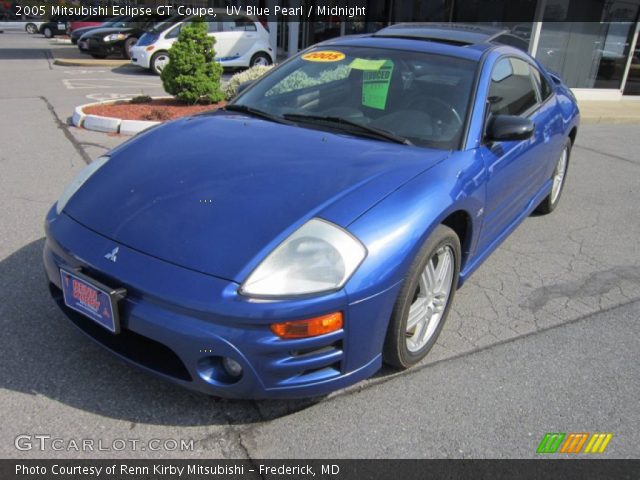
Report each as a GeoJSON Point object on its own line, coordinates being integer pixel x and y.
{"type": "Point", "coordinates": [255, 112]}
{"type": "Point", "coordinates": [365, 129]}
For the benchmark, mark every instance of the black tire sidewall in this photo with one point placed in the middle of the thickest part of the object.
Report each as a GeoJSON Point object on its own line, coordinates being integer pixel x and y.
{"type": "Point", "coordinates": [259, 55]}
{"type": "Point", "coordinates": [396, 351]}
{"type": "Point", "coordinates": [47, 32]}
{"type": "Point", "coordinates": [125, 51]}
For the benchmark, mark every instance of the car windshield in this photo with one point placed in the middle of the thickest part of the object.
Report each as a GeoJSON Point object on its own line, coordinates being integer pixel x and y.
{"type": "Point", "coordinates": [393, 95]}
{"type": "Point", "coordinates": [162, 26]}
{"type": "Point", "coordinates": [116, 22]}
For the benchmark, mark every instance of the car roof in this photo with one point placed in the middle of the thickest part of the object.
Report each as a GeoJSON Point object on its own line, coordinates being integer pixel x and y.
{"type": "Point", "coordinates": [455, 33]}
{"type": "Point", "coordinates": [459, 40]}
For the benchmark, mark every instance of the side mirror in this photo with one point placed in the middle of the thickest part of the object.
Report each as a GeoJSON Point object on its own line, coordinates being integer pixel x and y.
{"type": "Point", "coordinates": [509, 127]}
{"type": "Point", "coordinates": [243, 86]}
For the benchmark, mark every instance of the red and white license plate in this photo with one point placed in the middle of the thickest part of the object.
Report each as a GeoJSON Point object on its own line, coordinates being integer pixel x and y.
{"type": "Point", "coordinates": [92, 299]}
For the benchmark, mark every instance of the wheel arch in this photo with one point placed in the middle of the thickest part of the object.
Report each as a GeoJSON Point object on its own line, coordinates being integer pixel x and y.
{"type": "Point", "coordinates": [460, 222]}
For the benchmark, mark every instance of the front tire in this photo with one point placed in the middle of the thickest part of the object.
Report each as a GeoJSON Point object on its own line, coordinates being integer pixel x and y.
{"type": "Point", "coordinates": [159, 61]}
{"type": "Point", "coordinates": [47, 32]}
{"type": "Point", "coordinates": [550, 203]}
{"type": "Point", "coordinates": [424, 301]}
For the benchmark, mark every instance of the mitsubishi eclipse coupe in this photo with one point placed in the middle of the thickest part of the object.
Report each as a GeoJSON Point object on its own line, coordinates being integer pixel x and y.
{"type": "Point", "coordinates": [319, 225]}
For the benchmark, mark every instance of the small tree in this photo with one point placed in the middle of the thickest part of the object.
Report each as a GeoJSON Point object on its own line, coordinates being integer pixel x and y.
{"type": "Point", "coordinates": [192, 74]}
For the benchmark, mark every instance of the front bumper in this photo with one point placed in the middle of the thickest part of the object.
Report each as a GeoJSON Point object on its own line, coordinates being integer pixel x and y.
{"type": "Point", "coordinates": [179, 324]}
{"type": "Point", "coordinates": [141, 57]}
{"type": "Point", "coordinates": [97, 46]}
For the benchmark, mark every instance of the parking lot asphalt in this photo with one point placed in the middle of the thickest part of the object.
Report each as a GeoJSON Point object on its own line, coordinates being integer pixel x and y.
{"type": "Point", "coordinates": [543, 338]}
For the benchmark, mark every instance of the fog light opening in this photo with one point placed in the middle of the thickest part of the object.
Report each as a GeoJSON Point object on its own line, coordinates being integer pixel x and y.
{"type": "Point", "coordinates": [220, 370]}
{"type": "Point", "coordinates": [233, 368]}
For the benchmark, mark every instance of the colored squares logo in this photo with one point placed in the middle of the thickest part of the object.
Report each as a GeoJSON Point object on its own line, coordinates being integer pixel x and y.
{"type": "Point", "coordinates": [573, 443]}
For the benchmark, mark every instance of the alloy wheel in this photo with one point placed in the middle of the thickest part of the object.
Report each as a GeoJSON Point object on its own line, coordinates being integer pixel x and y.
{"type": "Point", "coordinates": [432, 295]}
{"type": "Point", "coordinates": [558, 175]}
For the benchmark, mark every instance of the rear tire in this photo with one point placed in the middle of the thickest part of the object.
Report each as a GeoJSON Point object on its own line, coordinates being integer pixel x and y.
{"type": "Point", "coordinates": [424, 301]}
{"type": "Point", "coordinates": [260, 58]}
{"type": "Point", "coordinates": [559, 177]}
{"type": "Point", "coordinates": [47, 32]}
{"type": "Point", "coordinates": [31, 28]}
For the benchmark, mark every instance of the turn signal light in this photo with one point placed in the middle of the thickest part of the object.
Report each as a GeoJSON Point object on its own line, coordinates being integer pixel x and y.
{"type": "Point", "coordinates": [312, 327]}
{"type": "Point", "coordinates": [149, 48]}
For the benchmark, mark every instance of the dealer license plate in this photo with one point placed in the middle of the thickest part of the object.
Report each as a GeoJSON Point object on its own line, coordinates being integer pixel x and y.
{"type": "Point", "coordinates": [92, 299]}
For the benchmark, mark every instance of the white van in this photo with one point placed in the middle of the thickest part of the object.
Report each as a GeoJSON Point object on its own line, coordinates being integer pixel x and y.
{"type": "Point", "coordinates": [241, 41]}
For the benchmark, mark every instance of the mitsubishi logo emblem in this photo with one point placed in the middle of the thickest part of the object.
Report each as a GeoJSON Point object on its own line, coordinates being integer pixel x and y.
{"type": "Point", "coordinates": [113, 255]}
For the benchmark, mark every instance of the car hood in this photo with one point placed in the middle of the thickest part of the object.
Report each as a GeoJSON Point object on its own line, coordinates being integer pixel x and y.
{"type": "Point", "coordinates": [101, 32]}
{"type": "Point", "coordinates": [215, 193]}
{"type": "Point", "coordinates": [78, 32]}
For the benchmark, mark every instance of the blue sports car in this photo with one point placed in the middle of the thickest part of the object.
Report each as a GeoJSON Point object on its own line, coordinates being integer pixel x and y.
{"type": "Point", "coordinates": [319, 225]}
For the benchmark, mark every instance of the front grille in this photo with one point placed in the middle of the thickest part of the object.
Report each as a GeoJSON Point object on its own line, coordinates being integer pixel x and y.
{"type": "Point", "coordinates": [133, 346]}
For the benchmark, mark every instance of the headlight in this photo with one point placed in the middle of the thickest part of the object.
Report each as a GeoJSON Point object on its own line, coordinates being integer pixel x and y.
{"type": "Point", "coordinates": [114, 37]}
{"type": "Point", "coordinates": [318, 257]}
{"type": "Point", "coordinates": [78, 181]}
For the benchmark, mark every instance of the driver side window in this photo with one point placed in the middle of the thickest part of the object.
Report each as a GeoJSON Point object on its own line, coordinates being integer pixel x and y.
{"type": "Point", "coordinates": [512, 90]}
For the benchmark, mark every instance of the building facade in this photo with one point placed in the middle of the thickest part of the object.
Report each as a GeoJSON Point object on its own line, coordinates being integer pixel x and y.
{"type": "Point", "coordinates": [592, 44]}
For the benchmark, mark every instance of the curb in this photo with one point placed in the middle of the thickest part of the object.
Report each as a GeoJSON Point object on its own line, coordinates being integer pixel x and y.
{"type": "Point", "coordinates": [99, 123]}
{"type": "Point", "coordinates": [81, 62]}
{"type": "Point", "coordinates": [615, 120]}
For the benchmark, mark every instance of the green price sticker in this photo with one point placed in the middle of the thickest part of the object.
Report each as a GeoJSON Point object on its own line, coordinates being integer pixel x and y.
{"type": "Point", "coordinates": [375, 86]}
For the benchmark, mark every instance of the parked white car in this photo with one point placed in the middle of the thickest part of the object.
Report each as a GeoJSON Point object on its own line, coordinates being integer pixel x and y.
{"type": "Point", "coordinates": [29, 26]}
{"type": "Point", "coordinates": [241, 41]}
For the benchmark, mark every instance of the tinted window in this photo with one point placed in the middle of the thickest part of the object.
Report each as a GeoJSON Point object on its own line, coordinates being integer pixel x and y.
{"type": "Point", "coordinates": [512, 91]}
{"type": "Point", "coordinates": [238, 24]}
{"type": "Point", "coordinates": [543, 84]}
{"type": "Point", "coordinates": [175, 31]}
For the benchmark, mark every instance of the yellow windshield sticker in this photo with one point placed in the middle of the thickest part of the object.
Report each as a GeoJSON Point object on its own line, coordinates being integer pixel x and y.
{"type": "Point", "coordinates": [375, 86]}
{"type": "Point", "coordinates": [364, 64]}
{"type": "Point", "coordinates": [324, 56]}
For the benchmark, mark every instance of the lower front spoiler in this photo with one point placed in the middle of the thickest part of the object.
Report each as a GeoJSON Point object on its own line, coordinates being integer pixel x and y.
{"type": "Point", "coordinates": [159, 360]}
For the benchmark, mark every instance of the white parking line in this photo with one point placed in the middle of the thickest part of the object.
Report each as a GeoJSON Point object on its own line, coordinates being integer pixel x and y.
{"type": "Point", "coordinates": [101, 97]}
{"type": "Point", "coordinates": [82, 72]}
{"type": "Point", "coordinates": [97, 83]}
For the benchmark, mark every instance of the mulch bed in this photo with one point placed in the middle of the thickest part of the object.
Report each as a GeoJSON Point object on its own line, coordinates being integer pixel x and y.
{"type": "Point", "coordinates": [156, 110]}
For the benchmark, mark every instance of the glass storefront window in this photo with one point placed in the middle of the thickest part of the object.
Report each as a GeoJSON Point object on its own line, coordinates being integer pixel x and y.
{"type": "Point", "coordinates": [591, 53]}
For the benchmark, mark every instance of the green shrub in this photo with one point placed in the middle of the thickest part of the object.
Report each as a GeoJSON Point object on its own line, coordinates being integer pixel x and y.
{"type": "Point", "coordinates": [141, 99]}
{"type": "Point", "coordinates": [192, 74]}
{"type": "Point", "coordinates": [249, 75]}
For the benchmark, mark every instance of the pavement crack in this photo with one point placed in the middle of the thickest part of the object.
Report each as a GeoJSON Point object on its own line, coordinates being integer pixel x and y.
{"type": "Point", "coordinates": [609, 155]}
{"type": "Point", "coordinates": [418, 368]}
{"type": "Point", "coordinates": [65, 130]}
{"type": "Point", "coordinates": [49, 58]}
